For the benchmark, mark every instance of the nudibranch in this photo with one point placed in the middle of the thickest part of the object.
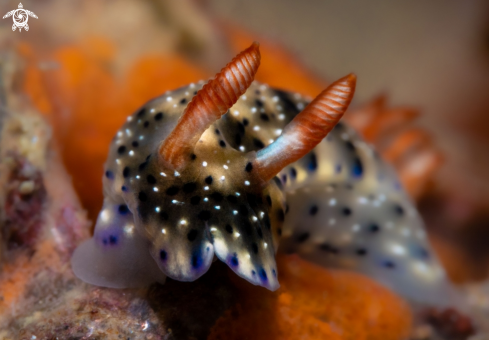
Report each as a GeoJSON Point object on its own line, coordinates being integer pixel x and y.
{"type": "Point", "coordinates": [229, 168]}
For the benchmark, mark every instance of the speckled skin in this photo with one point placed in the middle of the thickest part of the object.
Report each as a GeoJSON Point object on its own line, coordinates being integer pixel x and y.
{"type": "Point", "coordinates": [340, 205]}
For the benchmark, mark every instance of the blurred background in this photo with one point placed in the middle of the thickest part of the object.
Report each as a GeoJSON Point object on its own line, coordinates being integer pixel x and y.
{"type": "Point", "coordinates": [88, 64]}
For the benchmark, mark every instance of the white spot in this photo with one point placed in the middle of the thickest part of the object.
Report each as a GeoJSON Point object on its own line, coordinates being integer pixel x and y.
{"type": "Point", "coordinates": [262, 214]}
{"type": "Point", "coordinates": [141, 137]}
{"type": "Point", "coordinates": [223, 178]}
{"type": "Point", "coordinates": [398, 249]}
{"type": "Point", "coordinates": [129, 118]}
{"type": "Point", "coordinates": [204, 163]}
{"type": "Point", "coordinates": [118, 161]}
{"type": "Point", "coordinates": [206, 199]}
{"type": "Point", "coordinates": [213, 230]}
{"type": "Point", "coordinates": [242, 148]}
{"type": "Point", "coordinates": [362, 200]}
{"type": "Point", "coordinates": [131, 153]}
{"type": "Point", "coordinates": [138, 177]}
{"type": "Point", "coordinates": [253, 110]}
{"type": "Point", "coordinates": [155, 189]}
{"type": "Point", "coordinates": [248, 256]}
{"type": "Point", "coordinates": [157, 209]}
{"type": "Point", "coordinates": [176, 174]}
{"type": "Point", "coordinates": [236, 113]}
{"type": "Point", "coordinates": [300, 106]}
{"type": "Point", "coordinates": [192, 85]}
{"type": "Point", "coordinates": [332, 202]}
{"type": "Point", "coordinates": [243, 97]}
{"type": "Point", "coordinates": [332, 221]}
{"type": "Point", "coordinates": [278, 132]}
{"type": "Point", "coordinates": [256, 128]}
{"type": "Point", "coordinates": [206, 188]}
{"type": "Point", "coordinates": [174, 105]}
{"type": "Point", "coordinates": [355, 228]}
{"type": "Point", "coordinates": [238, 194]}
{"type": "Point", "coordinates": [275, 99]}
{"type": "Point", "coordinates": [174, 201]}
{"type": "Point", "coordinates": [237, 234]}
{"type": "Point", "coordinates": [279, 108]}
{"type": "Point", "coordinates": [281, 116]}
{"type": "Point", "coordinates": [163, 174]}
{"type": "Point", "coordinates": [119, 134]}
{"type": "Point", "coordinates": [247, 182]}
{"type": "Point", "coordinates": [265, 245]}
{"type": "Point", "coordinates": [254, 218]}
{"type": "Point", "coordinates": [183, 222]}
{"type": "Point", "coordinates": [225, 166]}
{"type": "Point", "coordinates": [235, 212]}
{"type": "Point", "coordinates": [217, 207]}
{"type": "Point", "coordinates": [228, 161]}
{"type": "Point", "coordinates": [169, 99]}
{"type": "Point", "coordinates": [145, 325]}
{"type": "Point", "coordinates": [270, 141]}
{"type": "Point", "coordinates": [128, 133]}
{"type": "Point", "coordinates": [163, 231]}
{"type": "Point", "coordinates": [152, 110]}
{"type": "Point", "coordinates": [105, 215]}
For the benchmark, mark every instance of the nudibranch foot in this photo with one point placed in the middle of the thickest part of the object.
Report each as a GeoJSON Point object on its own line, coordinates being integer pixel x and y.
{"type": "Point", "coordinates": [117, 256]}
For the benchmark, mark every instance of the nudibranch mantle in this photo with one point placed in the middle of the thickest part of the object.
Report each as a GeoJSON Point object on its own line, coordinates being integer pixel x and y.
{"type": "Point", "coordinates": [338, 205]}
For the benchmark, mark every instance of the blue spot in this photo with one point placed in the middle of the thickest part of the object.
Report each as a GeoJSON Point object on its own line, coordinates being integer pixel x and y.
{"type": "Point", "coordinates": [123, 209]}
{"type": "Point", "coordinates": [284, 179]}
{"type": "Point", "coordinates": [163, 255]}
{"type": "Point", "coordinates": [124, 188]}
{"type": "Point", "coordinates": [109, 174]}
{"type": "Point", "coordinates": [293, 173]}
{"type": "Point", "coordinates": [263, 274]}
{"type": "Point", "coordinates": [196, 260]}
{"type": "Point", "coordinates": [112, 239]}
{"type": "Point", "coordinates": [338, 168]}
{"type": "Point", "coordinates": [105, 241]}
{"type": "Point", "coordinates": [313, 163]}
{"type": "Point", "coordinates": [207, 249]}
{"type": "Point", "coordinates": [253, 273]}
{"type": "Point", "coordinates": [389, 264]}
{"type": "Point", "coordinates": [357, 170]}
{"type": "Point", "coordinates": [274, 272]}
{"type": "Point", "coordinates": [234, 260]}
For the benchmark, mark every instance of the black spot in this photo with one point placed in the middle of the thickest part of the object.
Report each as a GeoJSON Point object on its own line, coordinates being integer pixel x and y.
{"type": "Point", "coordinates": [208, 180]}
{"type": "Point", "coordinates": [287, 103]}
{"type": "Point", "coordinates": [361, 252]}
{"type": "Point", "coordinates": [159, 116]}
{"type": "Point", "coordinates": [263, 274]}
{"type": "Point", "coordinates": [253, 272]}
{"type": "Point", "coordinates": [141, 112]}
{"type": "Point", "coordinates": [109, 174]}
{"type": "Point", "coordinates": [278, 182]}
{"type": "Point", "coordinates": [123, 209]}
{"type": "Point", "coordinates": [229, 229]}
{"type": "Point", "coordinates": [196, 260]}
{"type": "Point", "coordinates": [258, 143]}
{"type": "Point", "coordinates": [217, 131]}
{"type": "Point", "coordinates": [121, 149]}
{"type": "Point", "coordinates": [193, 156]}
{"type": "Point", "coordinates": [164, 216]}
{"type": "Point", "coordinates": [241, 128]}
{"type": "Point", "coordinates": [195, 200]}
{"type": "Point", "coordinates": [146, 124]}
{"type": "Point", "coordinates": [123, 188]}
{"type": "Point", "coordinates": [216, 196]}
{"type": "Point", "coordinates": [192, 235]}
{"type": "Point", "coordinates": [142, 196]}
{"type": "Point", "coordinates": [280, 215]}
{"type": "Point", "coordinates": [349, 145]}
{"type": "Point", "coordinates": [112, 239]}
{"type": "Point", "coordinates": [234, 260]}
{"type": "Point", "coordinates": [151, 179]}
{"type": "Point", "coordinates": [259, 232]}
{"type": "Point", "coordinates": [189, 187]}
{"type": "Point", "coordinates": [346, 211]}
{"type": "Point", "coordinates": [374, 228]}
{"type": "Point", "coordinates": [313, 163]}
{"type": "Point", "coordinates": [314, 210]}
{"type": "Point", "coordinates": [287, 208]}
{"type": "Point", "coordinates": [279, 231]}
{"type": "Point", "coordinates": [254, 200]}
{"type": "Point", "coordinates": [249, 167]}
{"type": "Point", "coordinates": [247, 227]}
{"type": "Point", "coordinates": [126, 172]}
{"type": "Point", "coordinates": [302, 237]}
{"type": "Point", "coordinates": [232, 199]}
{"type": "Point", "coordinates": [237, 139]}
{"type": "Point", "coordinates": [183, 101]}
{"type": "Point", "coordinates": [254, 247]}
{"type": "Point", "coordinates": [243, 210]}
{"type": "Point", "coordinates": [135, 144]}
{"type": "Point", "coordinates": [423, 253]}
{"type": "Point", "coordinates": [266, 221]}
{"type": "Point", "coordinates": [205, 215]}
{"type": "Point", "coordinates": [357, 170]}
{"type": "Point", "coordinates": [329, 248]}
{"type": "Point", "coordinates": [259, 103]}
{"type": "Point", "coordinates": [389, 264]}
{"type": "Point", "coordinates": [264, 117]}
{"type": "Point", "coordinates": [142, 166]}
{"type": "Point", "coordinates": [245, 122]}
{"type": "Point", "coordinates": [172, 191]}
{"type": "Point", "coordinates": [293, 173]}
{"type": "Point", "coordinates": [399, 210]}
{"type": "Point", "coordinates": [222, 144]}
{"type": "Point", "coordinates": [195, 92]}
{"type": "Point", "coordinates": [269, 200]}
{"type": "Point", "coordinates": [163, 255]}
{"type": "Point", "coordinates": [274, 272]}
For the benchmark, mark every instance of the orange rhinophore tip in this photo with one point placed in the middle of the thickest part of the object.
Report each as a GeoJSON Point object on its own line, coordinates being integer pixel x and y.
{"type": "Point", "coordinates": [307, 129]}
{"type": "Point", "coordinates": [209, 104]}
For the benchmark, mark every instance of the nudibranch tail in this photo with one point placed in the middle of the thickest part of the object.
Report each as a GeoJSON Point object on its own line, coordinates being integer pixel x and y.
{"type": "Point", "coordinates": [307, 129]}
{"type": "Point", "coordinates": [209, 104]}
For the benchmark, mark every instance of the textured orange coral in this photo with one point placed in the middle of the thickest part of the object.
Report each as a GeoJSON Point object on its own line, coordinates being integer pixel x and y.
{"type": "Point", "coordinates": [315, 303]}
